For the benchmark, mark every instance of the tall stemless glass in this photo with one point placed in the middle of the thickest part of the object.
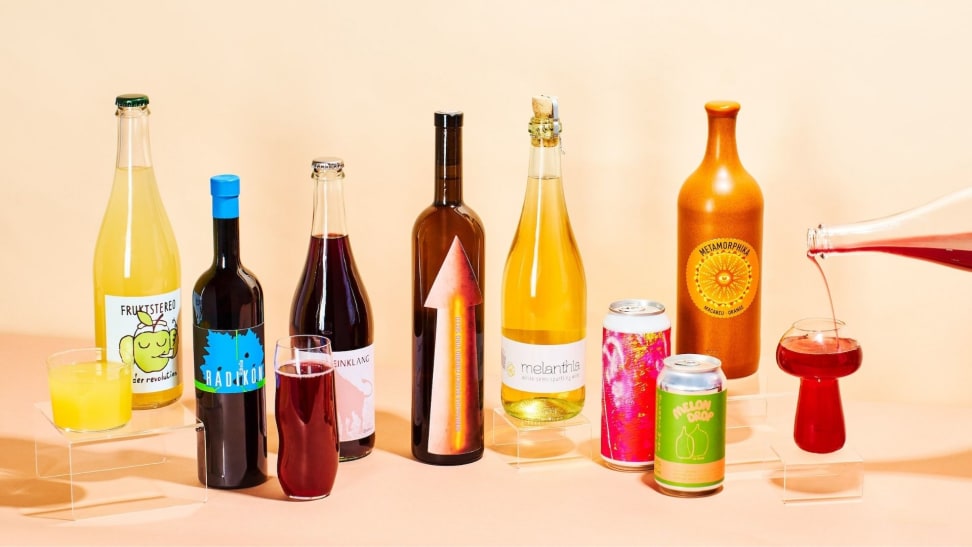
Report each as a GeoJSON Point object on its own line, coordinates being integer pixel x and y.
{"type": "Point", "coordinates": [819, 351]}
{"type": "Point", "coordinates": [306, 417]}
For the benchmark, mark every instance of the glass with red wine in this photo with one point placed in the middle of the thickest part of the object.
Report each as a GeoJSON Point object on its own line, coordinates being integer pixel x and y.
{"type": "Point", "coordinates": [306, 416]}
{"type": "Point", "coordinates": [819, 352]}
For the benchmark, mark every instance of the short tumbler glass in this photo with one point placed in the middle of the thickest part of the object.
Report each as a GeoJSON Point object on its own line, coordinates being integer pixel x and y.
{"type": "Point", "coordinates": [88, 392]}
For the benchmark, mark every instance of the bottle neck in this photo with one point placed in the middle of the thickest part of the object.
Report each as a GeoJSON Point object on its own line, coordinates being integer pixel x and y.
{"type": "Point", "coordinates": [448, 166]}
{"type": "Point", "coordinates": [134, 149]}
{"type": "Point", "coordinates": [545, 159]}
{"type": "Point", "coordinates": [721, 146]}
{"type": "Point", "coordinates": [328, 219]}
{"type": "Point", "coordinates": [226, 242]}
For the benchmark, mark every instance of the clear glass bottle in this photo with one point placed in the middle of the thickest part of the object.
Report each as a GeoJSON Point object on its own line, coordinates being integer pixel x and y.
{"type": "Point", "coordinates": [331, 301]}
{"type": "Point", "coordinates": [939, 232]}
{"type": "Point", "coordinates": [137, 276]}
{"type": "Point", "coordinates": [229, 354]}
{"type": "Point", "coordinates": [720, 245]}
{"type": "Point", "coordinates": [544, 293]}
{"type": "Point", "coordinates": [448, 264]}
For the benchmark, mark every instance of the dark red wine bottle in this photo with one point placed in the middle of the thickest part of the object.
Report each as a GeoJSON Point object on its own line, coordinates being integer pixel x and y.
{"type": "Point", "coordinates": [331, 301]}
{"type": "Point", "coordinates": [448, 257]}
{"type": "Point", "coordinates": [229, 354]}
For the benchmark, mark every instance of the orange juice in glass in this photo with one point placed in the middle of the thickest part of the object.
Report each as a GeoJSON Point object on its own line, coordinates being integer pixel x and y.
{"type": "Point", "coordinates": [89, 393]}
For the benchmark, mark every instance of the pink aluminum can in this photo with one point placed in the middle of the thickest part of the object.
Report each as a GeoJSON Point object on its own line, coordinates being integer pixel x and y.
{"type": "Point", "coordinates": [636, 339]}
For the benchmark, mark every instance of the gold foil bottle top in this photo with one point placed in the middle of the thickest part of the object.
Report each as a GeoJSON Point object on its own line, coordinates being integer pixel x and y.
{"type": "Point", "coordinates": [545, 127]}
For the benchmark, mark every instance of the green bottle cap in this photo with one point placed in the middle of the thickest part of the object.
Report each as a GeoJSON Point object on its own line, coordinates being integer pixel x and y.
{"type": "Point", "coordinates": [130, 100]}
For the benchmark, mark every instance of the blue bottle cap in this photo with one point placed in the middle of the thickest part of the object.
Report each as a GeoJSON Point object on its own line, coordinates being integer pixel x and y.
{"type": "Point", "coordinates": [225, 190]}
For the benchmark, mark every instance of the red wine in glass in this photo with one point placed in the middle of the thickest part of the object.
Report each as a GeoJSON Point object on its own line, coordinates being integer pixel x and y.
{"type": "Point", "coordinates": [307, 424]}
{"type": "Point", "coordinates": [813, 350]}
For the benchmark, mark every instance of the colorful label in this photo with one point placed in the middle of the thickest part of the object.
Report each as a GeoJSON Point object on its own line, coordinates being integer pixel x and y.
{"type": "Point", "coordinates": [455, 419]}
{"type": "Point", "coordinates": [722, 275]}
{"type": "Point", "coordinates": [229, 361]}
{"type": "Point", "coordinates": [143, 331]}
{"type": "Point", "coordinates": [543, 368]}
{"type": "Point", "coordinates": [631, 363]}
{"type": "Point", "coordinates": [690, 440]}
{"type": "Point", "coordinates": [355, 392]}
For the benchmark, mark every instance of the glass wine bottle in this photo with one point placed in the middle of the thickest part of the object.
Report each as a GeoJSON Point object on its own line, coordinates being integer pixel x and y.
{"type": "Point", "coordinates": [544, 295]}
{"type": "Point", "coordinates": [137, 278]}
{"type": "Point", "coordinates": [229, 354]}
{"type": "Point", "coordinates": [448, 260]}
{"type": "Point", "coordinates": [720, 241]}
{"type": "Point", "coordinates": [331, 301]}
{"type": "Point", "coordinates": [937, 232]}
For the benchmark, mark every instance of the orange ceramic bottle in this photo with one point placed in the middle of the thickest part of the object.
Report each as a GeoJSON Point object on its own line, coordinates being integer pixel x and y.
{"type": "Point", "coordinates": [720, 241]}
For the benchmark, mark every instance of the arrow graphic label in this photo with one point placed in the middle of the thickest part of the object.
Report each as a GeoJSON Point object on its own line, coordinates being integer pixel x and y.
{"type": "Point", "coordinates": [454, 419]}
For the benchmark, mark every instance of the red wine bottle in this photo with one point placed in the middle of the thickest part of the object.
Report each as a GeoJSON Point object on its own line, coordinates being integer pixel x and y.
{"type": "Point", "coordinates": [331, 301]}
{"type": "Point", "coordinates": [448, 257]}
{"type": "Point", "coordinates": [229, 352]}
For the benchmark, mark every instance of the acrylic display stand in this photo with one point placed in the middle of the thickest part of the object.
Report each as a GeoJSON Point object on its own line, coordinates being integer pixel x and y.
{"type": "Point", "coordinates": [809, 477]}
{"type": "Point", "coordinates": [749, 437]}
{"type": "Point", "coordinates": [759, 443]}
{"type": "Point", "coordinates": [535, 444]}
{"type": "Point", "coordinates": [123, 470]}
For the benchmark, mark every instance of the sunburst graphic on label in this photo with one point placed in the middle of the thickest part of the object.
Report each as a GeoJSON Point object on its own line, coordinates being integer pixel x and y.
{"type": "Point", "coordinates": [722, 276]}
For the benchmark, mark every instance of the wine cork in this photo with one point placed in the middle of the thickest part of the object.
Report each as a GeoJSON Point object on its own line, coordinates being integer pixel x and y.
{"type": "Point", "coordinates": [545, 124]}
{"type": "Point", "coordinates": [545, 107]}
{"type": "Point", "coordinates": [542, 107]}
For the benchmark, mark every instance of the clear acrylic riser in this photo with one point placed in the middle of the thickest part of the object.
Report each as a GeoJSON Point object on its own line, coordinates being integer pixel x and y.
{"type": "Point", "coordinates": [123, 470]}
{"type": "Point", "coordinates": [759, 446]}
{"type": "Point", "coordinates": [527, 444]}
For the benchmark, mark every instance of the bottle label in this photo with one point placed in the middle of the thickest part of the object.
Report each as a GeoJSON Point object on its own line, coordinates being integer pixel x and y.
{"type": "Point", "coordinates": [690, 439]}
{"type": "Point", "coordinates": [143, 331]}
{"type": "Point", "coordinates": [722, 275]}
{"type": "Point", "coordinates": [455, 412]}
{"type": "Point", "coordinates": [355, 392]}
{"type": "Point", "coordinates": [229, 361]}
{"type": "Point", "coordinates": [543, 368]}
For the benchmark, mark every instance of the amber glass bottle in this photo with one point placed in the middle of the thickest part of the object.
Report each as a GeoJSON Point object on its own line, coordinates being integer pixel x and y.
{"type": "Point", "coordinates": [720, 242]}
{"type": "Point", "coordinates": [448, 261]}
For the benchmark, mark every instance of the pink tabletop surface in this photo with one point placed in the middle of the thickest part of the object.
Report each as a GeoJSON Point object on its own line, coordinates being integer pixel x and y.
{"type": "Point", "coordinates": [917, 479]}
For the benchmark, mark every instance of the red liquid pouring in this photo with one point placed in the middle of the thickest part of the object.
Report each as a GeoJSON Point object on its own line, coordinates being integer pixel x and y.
{"type": "Point", "coordinates": [954, 250]}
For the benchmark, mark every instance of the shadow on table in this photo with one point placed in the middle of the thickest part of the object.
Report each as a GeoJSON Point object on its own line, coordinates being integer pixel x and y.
{"type": "Point", "coordinates": [956, 464]}
{"type": "Point", "coordinates": [393, 434]}
{"type": "Point", "coordinates": [35, 477]}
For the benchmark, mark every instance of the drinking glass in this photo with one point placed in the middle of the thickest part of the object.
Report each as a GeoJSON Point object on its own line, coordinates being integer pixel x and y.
{"type": "Point", "coordinates": [306, 416]}
{"type": "Point", "coordinates": [819, 351]}
{"type": "Point", "coordinates": [88, 392]}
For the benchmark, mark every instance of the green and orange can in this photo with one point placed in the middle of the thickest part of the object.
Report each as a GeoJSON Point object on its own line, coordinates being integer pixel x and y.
{"type": "Point", "coordinates": [690, 426]}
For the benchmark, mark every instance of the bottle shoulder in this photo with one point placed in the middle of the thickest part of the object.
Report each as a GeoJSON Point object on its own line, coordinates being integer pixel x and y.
{"type": "Point", "coordinates": [454, 217]}
{"type": "Point", "coordinates": [715, 187]}
{"type": "Point", "coordinates": [227, 279]}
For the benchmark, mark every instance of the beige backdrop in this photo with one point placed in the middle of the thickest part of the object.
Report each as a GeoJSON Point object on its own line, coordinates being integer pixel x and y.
{"type": "Point", "coordinates": [850, 110]}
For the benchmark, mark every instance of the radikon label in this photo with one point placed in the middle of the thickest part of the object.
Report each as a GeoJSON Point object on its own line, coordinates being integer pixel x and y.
{"type": "Point", "coordinates": [722, 276]}
{"type": "Point", "coordinates": [229, 361]}
{"type": "Point", "coordinates": [537, 368]}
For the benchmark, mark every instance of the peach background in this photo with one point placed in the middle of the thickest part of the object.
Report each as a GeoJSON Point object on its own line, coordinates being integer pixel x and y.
{"type": "Point", "coordinates": [850, 110]}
